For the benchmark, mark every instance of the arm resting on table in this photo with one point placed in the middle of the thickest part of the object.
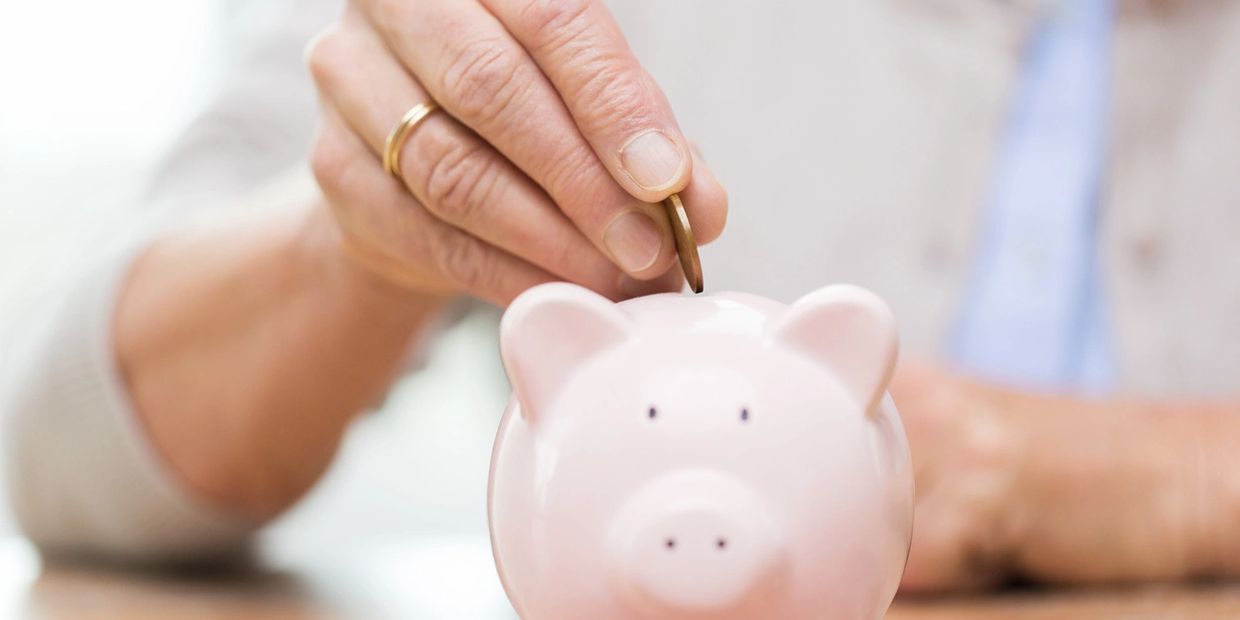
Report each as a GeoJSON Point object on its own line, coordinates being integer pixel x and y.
{"type": "Point", "coordinates": [185, 391]}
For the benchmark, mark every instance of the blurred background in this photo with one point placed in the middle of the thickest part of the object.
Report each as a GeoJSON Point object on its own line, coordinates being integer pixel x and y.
{"type": "Point", "coordinates": [402, 514]}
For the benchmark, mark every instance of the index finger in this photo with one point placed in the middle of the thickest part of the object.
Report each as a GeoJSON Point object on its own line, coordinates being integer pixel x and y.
{"type": "Point", "coordinates": [615, 103]}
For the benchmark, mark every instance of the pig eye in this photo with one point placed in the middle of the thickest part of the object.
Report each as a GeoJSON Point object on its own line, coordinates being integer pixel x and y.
{"type": "Point", "coordinates": [745, 414]}
{"type": "Point", "coordinates": [652, 413]}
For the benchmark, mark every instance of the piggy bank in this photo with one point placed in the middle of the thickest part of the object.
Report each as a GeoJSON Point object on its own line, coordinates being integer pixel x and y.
{"type": "Point", "coordinates": [719, 456]}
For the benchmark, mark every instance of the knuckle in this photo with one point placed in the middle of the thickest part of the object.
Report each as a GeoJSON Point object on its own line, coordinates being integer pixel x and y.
{"type": "Point", "coordinates": [462, 260]}
{"type": "Point", "coordinates": [551, 23]}
{"type": "Point", "coordinates": [615, 99]}
{"type": "Point", "coordinates": [463, 180]}
{"type": "Point", "coordinates": [386, 9]}
{"type": "Point", "coordinates": [330, 163]}
{"type": "Point", "coordinates": [483, 79]}
{"type": "Point", "coordinates": [327, 55]}
{"type": "Point", "coordinates": [382, 13]}
{"type": "Point", "coordinates": [580, 176]}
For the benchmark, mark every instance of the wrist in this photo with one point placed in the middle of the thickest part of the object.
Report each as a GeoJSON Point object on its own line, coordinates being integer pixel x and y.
{"type": "Point", "coordinates": [1106, 496]}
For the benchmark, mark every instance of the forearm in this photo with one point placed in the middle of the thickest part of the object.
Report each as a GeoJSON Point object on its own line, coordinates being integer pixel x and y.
{"type": "Point", "coordinates": [247, 348]}
{"type": "Point", "coordinates": [1210, 456]}
{"type": "Point", "coordinates": [1127, 491]}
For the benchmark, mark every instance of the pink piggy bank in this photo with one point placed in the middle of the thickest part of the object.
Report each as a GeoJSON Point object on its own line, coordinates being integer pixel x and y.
{"type": "Point", "coordinates": [720, 456]}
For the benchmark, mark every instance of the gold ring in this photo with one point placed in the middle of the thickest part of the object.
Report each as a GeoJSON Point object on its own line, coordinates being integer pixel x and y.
{"type": "Point", "coordinates": [400, 134]}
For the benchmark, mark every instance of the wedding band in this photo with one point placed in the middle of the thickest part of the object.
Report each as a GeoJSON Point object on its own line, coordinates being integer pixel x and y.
{"type": "Point", "coordinates": [400, 134]}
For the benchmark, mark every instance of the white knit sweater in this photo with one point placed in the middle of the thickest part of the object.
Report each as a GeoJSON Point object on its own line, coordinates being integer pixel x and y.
{"type": "Point", "coordinates": [81, 476]}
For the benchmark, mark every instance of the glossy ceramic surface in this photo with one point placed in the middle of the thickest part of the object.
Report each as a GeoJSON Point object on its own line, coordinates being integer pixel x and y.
{"type": "Point", "coordinates": [719, 456]}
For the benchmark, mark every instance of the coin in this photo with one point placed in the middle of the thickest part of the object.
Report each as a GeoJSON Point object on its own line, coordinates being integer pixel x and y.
{"type": "Point", "coordinates": [686, 245]}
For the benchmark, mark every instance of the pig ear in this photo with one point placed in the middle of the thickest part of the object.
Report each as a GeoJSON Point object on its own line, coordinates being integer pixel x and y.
{"type": "Point", "coordinates": [548, 331]}
{"type": "Point", "coordinates": [848, 329]}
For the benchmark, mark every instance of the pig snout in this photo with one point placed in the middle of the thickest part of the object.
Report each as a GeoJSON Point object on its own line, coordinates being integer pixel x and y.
{"type": "Point", "coordinates": [695, 542]}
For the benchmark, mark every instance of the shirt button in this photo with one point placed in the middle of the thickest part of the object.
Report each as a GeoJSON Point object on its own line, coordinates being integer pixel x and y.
{"type": "Point", "coordinates": [1147, 253]}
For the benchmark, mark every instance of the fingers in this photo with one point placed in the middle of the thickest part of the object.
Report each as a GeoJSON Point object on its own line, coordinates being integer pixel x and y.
{"type": "Point", "coordinates": [945, 555]}
{"type": "Point", "coordinates": [618, 107]}
{"type": "Point", "coordinates": [387, 230]}
{"type": "Point", "coordinates": [706, 202]}
{"type": "Point", "coordinates": [456, 176]}
{"type": "Point", "coordinates": [479, 73]}
{"type": "Point", "coordinates": [616, 104]}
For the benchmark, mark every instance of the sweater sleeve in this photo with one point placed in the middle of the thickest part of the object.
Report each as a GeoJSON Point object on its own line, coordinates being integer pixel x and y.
{"type": "Point", "coordinates": [81, 476]}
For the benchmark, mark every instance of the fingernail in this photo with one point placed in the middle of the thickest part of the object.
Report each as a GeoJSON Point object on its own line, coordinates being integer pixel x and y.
{"type": "Point", "coordinates": [634, 240]}
{"type": "Point", "coordinates": [652, 160]}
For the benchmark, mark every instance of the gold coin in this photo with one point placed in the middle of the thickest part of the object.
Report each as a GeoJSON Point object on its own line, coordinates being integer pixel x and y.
{"type": "Point", "coordinates": [686, 245]}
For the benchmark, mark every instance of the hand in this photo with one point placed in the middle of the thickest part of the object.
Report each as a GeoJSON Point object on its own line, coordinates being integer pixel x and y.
{"type": "Point", "coordinates": [964, 457]}
{"type": "Point", "coordinates": [1062, 490]}
{"type": "Point", "coordinates": [544, 162]}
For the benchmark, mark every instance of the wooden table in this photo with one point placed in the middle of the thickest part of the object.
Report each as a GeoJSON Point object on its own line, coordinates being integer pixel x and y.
{"type": "Point", "coordinates": [1147, 603]}
{"type": "Point", "coordinates": [80, 593]}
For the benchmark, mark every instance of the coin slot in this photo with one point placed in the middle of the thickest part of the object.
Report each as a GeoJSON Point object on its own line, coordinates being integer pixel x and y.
{"type": "Point", "coordinates": [745, 414]}
{"type": "Point", "coordinates": [652, 413]}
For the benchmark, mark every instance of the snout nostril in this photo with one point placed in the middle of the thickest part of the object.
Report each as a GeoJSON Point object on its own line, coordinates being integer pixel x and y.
{"type": "Point", "coordinates": [722, 543]}
{"type": "Point", "coordinates": [670, 543]}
